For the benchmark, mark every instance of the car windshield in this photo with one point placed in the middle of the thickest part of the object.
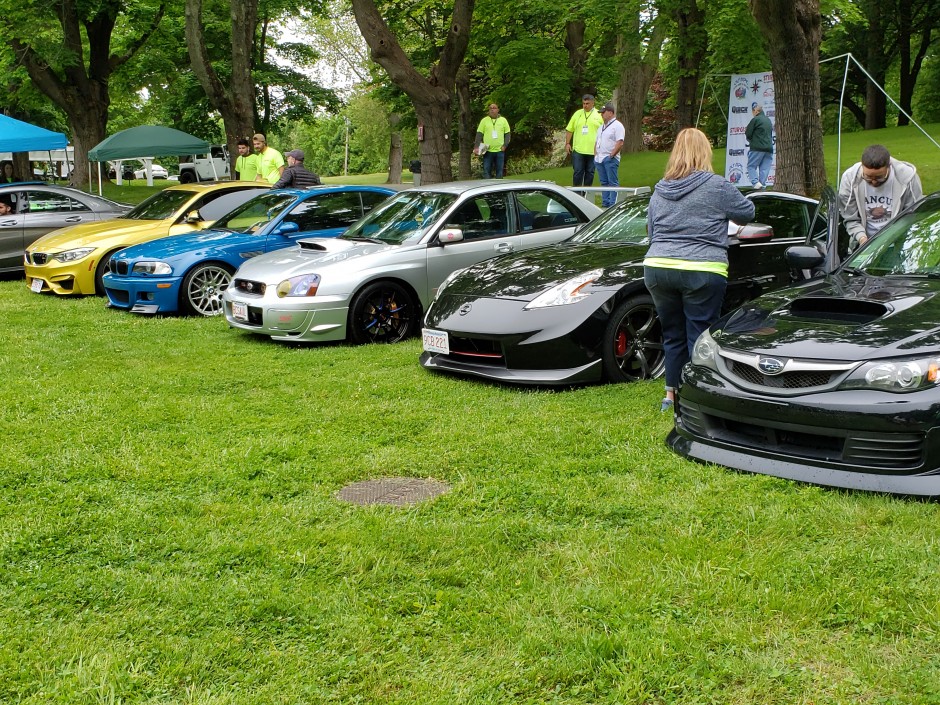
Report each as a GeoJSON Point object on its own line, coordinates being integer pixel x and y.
{"type": "Point", "coordinates": [909, 245]}
{"type": "Point", "coordinates": [252, 215]}
{"type": "Point", "coordinates": [625, 223]}
{"type": "Point", "coordinates": [407, 215]}
{"type": "Point", "coordinates": [160, 206]}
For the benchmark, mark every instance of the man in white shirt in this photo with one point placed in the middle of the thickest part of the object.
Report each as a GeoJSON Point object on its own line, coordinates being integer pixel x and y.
{"type": "Point", "coordinates": [874, 191]}
{"type": "Point", "coordinates": [607, 148]}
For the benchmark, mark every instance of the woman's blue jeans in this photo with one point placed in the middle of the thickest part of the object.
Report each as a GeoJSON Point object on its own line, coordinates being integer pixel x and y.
{"type": "Point", "coordinates": [687, 303]}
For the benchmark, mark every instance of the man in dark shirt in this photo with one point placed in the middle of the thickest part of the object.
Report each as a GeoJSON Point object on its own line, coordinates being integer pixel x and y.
{"type": "Point", "coordinates": [296, 174]}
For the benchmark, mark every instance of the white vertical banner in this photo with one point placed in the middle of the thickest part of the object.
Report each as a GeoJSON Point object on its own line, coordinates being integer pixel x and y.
{"type": "Point", "coordinates": [748, 89]}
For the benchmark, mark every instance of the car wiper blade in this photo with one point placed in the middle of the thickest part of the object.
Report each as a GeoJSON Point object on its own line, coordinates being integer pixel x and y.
{"type": "Point", "coordinates": [855, 270]}
{"type": "Point", "coordinates": [366, 239]}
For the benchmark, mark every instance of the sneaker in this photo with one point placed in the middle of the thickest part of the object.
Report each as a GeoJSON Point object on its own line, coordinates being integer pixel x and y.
{"type": "Point", "coordinates": [757, 184]}
{"type": "Point", "coordinates": [666, 405]}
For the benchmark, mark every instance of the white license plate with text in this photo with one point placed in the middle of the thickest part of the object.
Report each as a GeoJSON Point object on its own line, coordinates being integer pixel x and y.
{"type": "Point", "coordinates": [35, 285]}
{"type": "Point", "coordinates": [435, 341]}
{"type": "Point", "coordinates": [239, 311]}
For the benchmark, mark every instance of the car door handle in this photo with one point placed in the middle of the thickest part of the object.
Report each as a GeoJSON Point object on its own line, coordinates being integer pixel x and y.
{"type": "Point", "coordinates": [503, 247]}
{"type": "Point", "coordinates": [74, 219]}
{"type": "Point", "coordinates": [8, 223]}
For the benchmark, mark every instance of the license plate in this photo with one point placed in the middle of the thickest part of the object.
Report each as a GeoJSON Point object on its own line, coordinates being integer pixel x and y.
{"type": "Point", "coordinates": [435, 341]}
{"type": "Point", "coordinates": [35, 285]}
{"type": "Point", "coordinates": [239, 311]}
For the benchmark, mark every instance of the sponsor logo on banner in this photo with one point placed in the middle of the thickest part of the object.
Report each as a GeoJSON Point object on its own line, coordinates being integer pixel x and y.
{"type": "Point", "coordinates": [747, 89]}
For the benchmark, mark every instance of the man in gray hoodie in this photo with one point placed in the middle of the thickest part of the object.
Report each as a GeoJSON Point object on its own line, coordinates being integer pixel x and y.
{"type": "Point", "coordinates": [874, 191]}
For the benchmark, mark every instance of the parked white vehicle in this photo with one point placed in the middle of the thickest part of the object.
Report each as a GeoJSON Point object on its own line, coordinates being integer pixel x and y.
{"type": "Point", "coordinates": [158, 171]}
{"type": "Point", "coordinates": [205, 167]}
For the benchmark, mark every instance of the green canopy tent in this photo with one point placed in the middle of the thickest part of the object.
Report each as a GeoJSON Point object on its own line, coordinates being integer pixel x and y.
{"type": "Point", "coordinates": [145, 142]}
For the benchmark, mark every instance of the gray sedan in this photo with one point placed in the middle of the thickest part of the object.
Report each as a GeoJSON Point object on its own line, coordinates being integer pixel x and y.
{"type": "Point", "coordinates": [38, 208]}
{"type": "Point", "coordinates": [372, 283]}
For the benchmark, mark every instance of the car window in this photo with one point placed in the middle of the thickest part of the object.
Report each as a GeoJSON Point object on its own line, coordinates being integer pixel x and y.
{"type": "Point", "coordinates": [370, 199]}
{"type": "Point", "coordinates": [48, 202]}
{"type": "Point", "coordinates": [624, 223]}
{"type": "Point", "coordinates": [252, 215]}
{"type": "Point", "coordinates": [215, 204]}
{"type": "Point", "coordinates": [540, 209]}
{"type": "Point", "coordinates": [160, 206]}
{"type": "Point", "coordinates": [329, 211]}
{"type": "Point", "coordinates": [787, 218]}
{"type": "Point", "coordinates": [909, 245]}
{"type": "Point", "coordinates": [482, 217]}
{"type": "Point", "coordinates": [406, 215]}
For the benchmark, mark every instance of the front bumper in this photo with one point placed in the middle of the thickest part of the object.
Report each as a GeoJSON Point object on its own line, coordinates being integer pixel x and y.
{"type": "Point", "coordinates": [499, 339]}
{"type": "Point", "coordinates": [300, 320]}
{"type": "Point", "coordinates": [858, 439]}
{"type": "Point", "coordinates": [63, 278]}
{"type": "Point", "coordinates": [142, 295]}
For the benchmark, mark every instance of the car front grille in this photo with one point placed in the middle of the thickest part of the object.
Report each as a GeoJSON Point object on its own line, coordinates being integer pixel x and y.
{"type": "Point", "coordinates": [37, 257]}
{"type": "Point", "coordinates": [885, 451]}
{"type": "Point", "coordinates": [478, 351]}
{"type": "Point", "coordinates": [118, 267]}
{"type": "Point", "coordinates": [249, 287]}
{"type": "Point", "coordinates": [786, 380]}
{"type": "Point", "coordinates": [120, 295]}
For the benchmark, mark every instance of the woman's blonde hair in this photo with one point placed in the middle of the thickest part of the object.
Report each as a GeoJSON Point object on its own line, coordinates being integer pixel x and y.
{"type": "Point", "coordinates": [692, 152]}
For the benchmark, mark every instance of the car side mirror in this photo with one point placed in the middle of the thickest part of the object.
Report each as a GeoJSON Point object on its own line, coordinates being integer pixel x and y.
{"type": "Point", "coordinates": [286, 227]}
{"type": "Point", "coordinates": [448, 236]}
{"type": "Point", "coordinates": [804, 257]}
{"type": "Point", "coordinates": [193, 217]}
{"type": "Point", "coordinates": [754, 232]}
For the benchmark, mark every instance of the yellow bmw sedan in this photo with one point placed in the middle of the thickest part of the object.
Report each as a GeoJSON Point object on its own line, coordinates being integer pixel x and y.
{"type": "Point", "coordinates": [73, 260]}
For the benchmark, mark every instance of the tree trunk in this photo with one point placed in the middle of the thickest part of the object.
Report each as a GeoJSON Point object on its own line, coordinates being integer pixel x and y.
{"type": "Point", "coordinates": [432, 97]}
{"type": "Point", "coordinates": [910, 67]}
{"type": "Point", "coordinates": [692, 43]}
{"type": "Point", "coordinates": [639, 63]}
{"type": "Point", "coordinates": [466, 131]}
{"type": "Point", "coordinates": [234, 100]}
{"type": "Point", "coordinates": [876, 64]}
{"type": "Point", "coordinates": [577, 64]}
{"type": "Point", "coordinates": [394, 149]}
{"type": "Point", "coordinates": [792, 31]}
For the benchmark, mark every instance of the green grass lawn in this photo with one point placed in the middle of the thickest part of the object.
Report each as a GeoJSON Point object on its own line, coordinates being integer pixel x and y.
{"type": "Point", "coordinates": [170, 533]}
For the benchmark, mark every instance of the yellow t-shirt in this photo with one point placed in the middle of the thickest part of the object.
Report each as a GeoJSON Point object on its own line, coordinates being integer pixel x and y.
{"type": "Point", "coordinates": [247, 167]}
{"type": "Point", "coordinates": [493, 131]}
{"type": "Point", "coordinates": [270, 162]}
{"type": "Point", "coordinates": [688, 265]}
{"type": "Point", "coordinates": [583, 127]}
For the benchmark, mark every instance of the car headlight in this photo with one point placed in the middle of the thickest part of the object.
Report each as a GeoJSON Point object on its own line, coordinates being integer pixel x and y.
{"type": "Point", "coordinates": [705, 351]}
{"type": "Point", "coordinates": [73, 255]}
{"type": "Point", "coordinates": [152, 268]}
{"type": "Point", "coordinates": [569, 292]}
{"type": "Point", "coordinates": [910, 375]}
{"type": "Point", "coordinates": [302, 285]}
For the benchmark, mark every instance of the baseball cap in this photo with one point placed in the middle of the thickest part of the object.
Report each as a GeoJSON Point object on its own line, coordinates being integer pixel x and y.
{"type": "Point", "coordinates": [610, 107]}
{"type": "Point", "coordinates": [297, 154]}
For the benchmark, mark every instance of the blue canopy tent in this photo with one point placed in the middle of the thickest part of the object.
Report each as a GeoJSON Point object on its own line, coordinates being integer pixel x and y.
{"type": "Point", "coordinates": [19, 136]}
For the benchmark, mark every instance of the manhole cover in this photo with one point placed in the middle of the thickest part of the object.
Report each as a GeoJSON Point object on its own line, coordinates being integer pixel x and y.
{"type": "Point", "coordinates": [396, 491]}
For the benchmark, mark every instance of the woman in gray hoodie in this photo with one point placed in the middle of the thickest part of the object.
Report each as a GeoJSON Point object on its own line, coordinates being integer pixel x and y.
{"type": "Point", "coordinates": [686, 267]}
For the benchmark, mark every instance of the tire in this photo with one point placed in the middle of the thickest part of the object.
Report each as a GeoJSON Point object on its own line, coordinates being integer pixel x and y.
{"type": "Point", "coordinates": [187, 177]}
{"type": "Point", "coordinates": [382, 312]}
{"type": "Point", "coordinates": [633, 342]}
{"type": "Point", "coordinates": [201, 291]}
{"type": "Point", "coordinates": [100, 271]}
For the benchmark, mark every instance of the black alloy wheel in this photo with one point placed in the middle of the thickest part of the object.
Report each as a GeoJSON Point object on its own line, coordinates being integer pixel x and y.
{"type": "Point", "coordinates": [383, 312]}
{"type": "Point", "coordinates": [633, 342]}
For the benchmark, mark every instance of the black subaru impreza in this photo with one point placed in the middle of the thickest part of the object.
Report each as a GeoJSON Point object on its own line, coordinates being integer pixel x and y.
{"type": "Point", "coordinates": [835, 381]}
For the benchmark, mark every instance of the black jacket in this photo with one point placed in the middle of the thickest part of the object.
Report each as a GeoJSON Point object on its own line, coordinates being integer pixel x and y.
{"type": "Point", "coordinates": [297, 176]}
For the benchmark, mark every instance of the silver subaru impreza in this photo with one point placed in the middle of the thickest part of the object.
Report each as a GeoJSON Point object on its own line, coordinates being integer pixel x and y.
{"type": "Point", "coordinates": [372, 283]}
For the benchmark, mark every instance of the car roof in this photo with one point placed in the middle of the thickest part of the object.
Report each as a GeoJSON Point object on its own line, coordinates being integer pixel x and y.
{"type": "Point", "coordinates": [334, 188]}
{"type": "Point", "coordinates": [216, 185]}
{"type": "Point", "coordinates": [460, 187]}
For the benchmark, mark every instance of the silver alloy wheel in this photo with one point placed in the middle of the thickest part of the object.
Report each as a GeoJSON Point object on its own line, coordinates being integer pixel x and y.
{"type": "Point", "coordinates": [204, 287]}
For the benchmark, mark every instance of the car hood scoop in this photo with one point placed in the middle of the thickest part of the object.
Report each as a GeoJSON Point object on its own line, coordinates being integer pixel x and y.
{"type": "Point", "coordinates": [837, 309]}
{"type": "Point", "coordinates": [526, 275]}
{"type": "Point", "coordinates": [841, 317]}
